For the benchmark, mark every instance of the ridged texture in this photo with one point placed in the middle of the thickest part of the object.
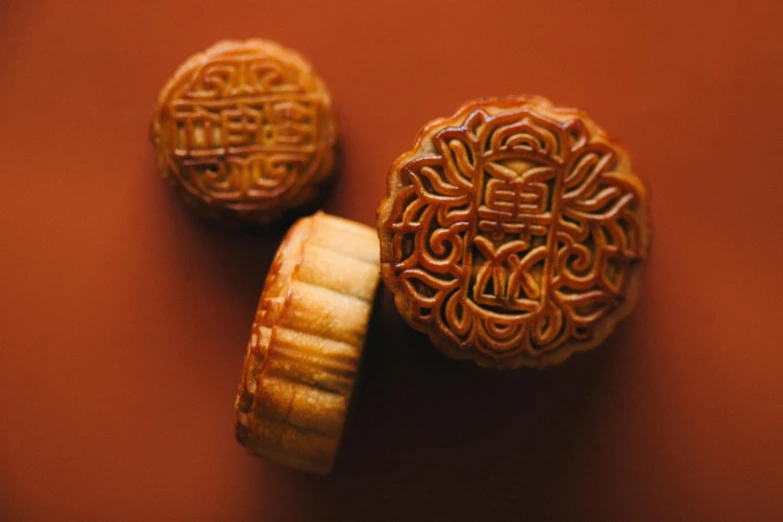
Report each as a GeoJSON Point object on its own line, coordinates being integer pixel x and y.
{"type": "Point", "coordinates": [306, 342]}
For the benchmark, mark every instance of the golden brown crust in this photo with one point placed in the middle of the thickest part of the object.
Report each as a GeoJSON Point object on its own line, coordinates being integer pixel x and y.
{"type": "Point", "coordinates": [245, 130]}
{"type": "Point", "coordinates": [514, 233]}
{"type": "Point", "coordinates": [306, 342]}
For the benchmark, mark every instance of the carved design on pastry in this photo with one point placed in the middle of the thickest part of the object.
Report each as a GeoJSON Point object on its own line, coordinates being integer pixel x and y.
{"type": "Point", "coordinates": [245, 130]}
{"type": "Point", "coordinates": [514, 233]}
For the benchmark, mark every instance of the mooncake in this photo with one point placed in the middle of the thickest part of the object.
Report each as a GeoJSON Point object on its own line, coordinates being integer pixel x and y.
{"type": "Point", "coordinates": [245, 131]}
{"type": "Point", "coordinates": [306, 342]}
{"type": "Point", "coordinates": [514, 233]}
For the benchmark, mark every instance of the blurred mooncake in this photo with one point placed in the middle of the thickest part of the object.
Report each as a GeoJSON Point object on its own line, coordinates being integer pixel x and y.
{"type": "Point", "coordinates": [245, 131]}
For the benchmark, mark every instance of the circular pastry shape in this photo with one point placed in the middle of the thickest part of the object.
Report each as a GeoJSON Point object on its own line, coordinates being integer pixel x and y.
{"type": "Point", "coordinates": [306, 342]}
{"type": "Point", "coordinates": [513, 233]}
{"type": "Point", "coordinates": [245, 130]}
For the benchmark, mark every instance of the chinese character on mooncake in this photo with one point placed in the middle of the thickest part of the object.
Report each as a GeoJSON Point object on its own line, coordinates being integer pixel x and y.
{"type": "Point", "coordinates": [245, 131]}
{"type": "Point", "coordinates": [514, 233]}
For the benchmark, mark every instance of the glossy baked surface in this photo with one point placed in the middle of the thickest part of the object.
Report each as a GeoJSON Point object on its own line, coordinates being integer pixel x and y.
{"type": "Point", "coordinates": [245, 130]}
{"type": "Point", "coordinates": [514, 232]}
{"type": "Point", "coordinates": [306, 342]}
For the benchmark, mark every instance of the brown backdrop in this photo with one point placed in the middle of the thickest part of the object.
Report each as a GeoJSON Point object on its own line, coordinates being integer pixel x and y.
{"type": "Point", "coordinates": [123, 319]}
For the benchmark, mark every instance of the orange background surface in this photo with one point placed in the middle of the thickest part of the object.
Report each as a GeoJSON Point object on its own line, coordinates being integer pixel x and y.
{"type": "Point", "coordinates": [124, 319]}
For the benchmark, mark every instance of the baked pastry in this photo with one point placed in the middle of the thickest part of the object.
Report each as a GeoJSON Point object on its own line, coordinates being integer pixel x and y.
{"type": "Point", "coordinates": [245, 130]}
{"type": "Point", "coordinates": [514, 233]}
{"type": "Point", "coordinates": [306, 342]}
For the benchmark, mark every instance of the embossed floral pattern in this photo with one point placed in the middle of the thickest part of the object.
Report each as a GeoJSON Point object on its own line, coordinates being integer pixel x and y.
{"type": "Point", "coordinates": [513, 231]}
